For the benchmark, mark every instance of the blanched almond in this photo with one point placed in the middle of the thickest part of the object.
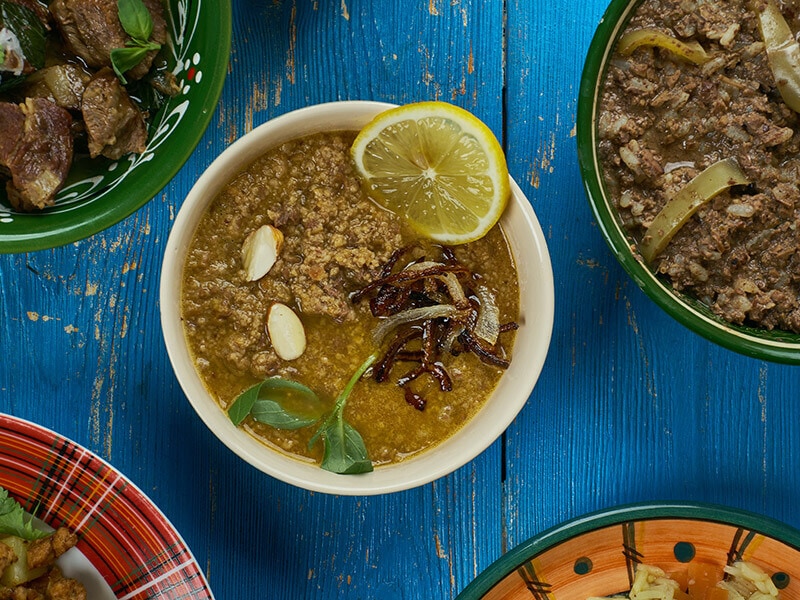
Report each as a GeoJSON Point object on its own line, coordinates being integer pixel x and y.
{"type": "Point", "coordinates": [286, 332]}
{"type": "Point", "coordinates": [260, 251]}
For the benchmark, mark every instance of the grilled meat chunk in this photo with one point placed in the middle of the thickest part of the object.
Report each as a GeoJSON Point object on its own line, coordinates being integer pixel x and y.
{"type": "Point", "coordinates": [114, 124]}
{"type": "Point", "coordinates": [91, 30]}
{"type": "Point", "coordinates": [64, 588]}
{"type": "Point", "coordinates": [36, 150]}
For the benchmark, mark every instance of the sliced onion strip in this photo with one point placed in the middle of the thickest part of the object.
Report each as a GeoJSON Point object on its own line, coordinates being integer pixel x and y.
{"type": "Point", "coordinates": [487, 327]}
{"type": "Point", "coordinates": [423, 313]}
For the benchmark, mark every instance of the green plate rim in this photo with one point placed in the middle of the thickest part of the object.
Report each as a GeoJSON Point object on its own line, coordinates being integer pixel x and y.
{"type": "Point", "coordinates": [776, 346]}
{"type": "Point", "coordinates": [638, 511]}
{"type": "Point", "coordinates": [73, 224]}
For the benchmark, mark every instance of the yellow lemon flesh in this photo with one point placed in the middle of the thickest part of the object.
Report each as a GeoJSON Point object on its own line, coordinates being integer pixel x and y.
{"type": "Point", "coordinates": [438, 167]}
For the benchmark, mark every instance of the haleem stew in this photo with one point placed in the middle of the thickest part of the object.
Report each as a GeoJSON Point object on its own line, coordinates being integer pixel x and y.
{"type": "Point", "coordinates": [328, 327]}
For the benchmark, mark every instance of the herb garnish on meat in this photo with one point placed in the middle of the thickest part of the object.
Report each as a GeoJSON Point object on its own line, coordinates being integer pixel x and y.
{"type": "Point", "coordinates": [137, 23]}
{"type": "Point", "coordinates": [282, 403]}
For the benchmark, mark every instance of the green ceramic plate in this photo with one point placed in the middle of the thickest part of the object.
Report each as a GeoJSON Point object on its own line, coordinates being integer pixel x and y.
{"type": "Point", "coordinates": [596, 555]}
{"type": "Point", "coordinates": [100, 193]}
{"type": "Point", "coordinates": [778, 346]}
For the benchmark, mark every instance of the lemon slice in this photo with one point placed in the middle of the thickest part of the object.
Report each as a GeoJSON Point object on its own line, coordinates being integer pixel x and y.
{"type": "Point", "coordinates": [438, 167]}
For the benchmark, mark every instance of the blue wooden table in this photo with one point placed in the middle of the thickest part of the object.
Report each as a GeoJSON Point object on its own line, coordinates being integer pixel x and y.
{"type": "Point", "coordinates": [630, 405]}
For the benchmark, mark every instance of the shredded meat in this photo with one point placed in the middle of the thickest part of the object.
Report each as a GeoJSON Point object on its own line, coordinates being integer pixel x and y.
{"type": "Point", "coordinates": [663, 121]}
{"type": "Point", "coordinates": [335, 240]}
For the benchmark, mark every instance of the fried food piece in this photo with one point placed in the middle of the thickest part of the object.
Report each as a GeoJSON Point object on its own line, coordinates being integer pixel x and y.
{"type": "Point", "coordinates": [45, 551]}
{"type": "Point", "coordinates": [7, 557]}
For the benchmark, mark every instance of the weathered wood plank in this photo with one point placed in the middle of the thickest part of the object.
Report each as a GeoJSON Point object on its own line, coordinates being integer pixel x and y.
{"type": "Point", "coordinates": [630, 406]}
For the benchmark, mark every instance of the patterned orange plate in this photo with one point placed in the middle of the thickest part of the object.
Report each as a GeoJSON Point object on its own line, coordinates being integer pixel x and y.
{"type": "Point", "coordinates": [127, 549]}
{"type": "Point", "coordinates": [596, 555]}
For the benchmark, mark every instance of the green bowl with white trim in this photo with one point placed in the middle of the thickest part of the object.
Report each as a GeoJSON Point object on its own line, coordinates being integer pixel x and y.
{"type": "Point", "coordinates": [596, 555]}
{"type": "Point", "coordinates": [99, 193]}
{"type": "Point", "coordinates": [772, 345]}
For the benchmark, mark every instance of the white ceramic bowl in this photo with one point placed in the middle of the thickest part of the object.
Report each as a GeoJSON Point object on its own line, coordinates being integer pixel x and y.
{"type": "Point", "coordinates": [530, 348]}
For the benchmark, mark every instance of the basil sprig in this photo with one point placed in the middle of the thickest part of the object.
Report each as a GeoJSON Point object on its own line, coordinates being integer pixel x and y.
{"type": "Point", "coordinates": [267, 402]}
{"type": "Point", "coordinates": [138, 24]}
{"type": "Point", "coordinates": [345, 451]}
{"type": "Point", "coordinates": [276, 402]}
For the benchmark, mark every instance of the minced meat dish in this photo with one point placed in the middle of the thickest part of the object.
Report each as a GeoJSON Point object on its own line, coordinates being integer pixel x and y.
{"type": "Point", "coordinates": [335, 241]}
{"type": "Point", "coordinates": [663, 120]}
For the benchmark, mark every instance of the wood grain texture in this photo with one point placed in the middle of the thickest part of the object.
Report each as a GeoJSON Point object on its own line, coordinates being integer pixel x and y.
{"type": "Point", "coordinates": [630, 406]}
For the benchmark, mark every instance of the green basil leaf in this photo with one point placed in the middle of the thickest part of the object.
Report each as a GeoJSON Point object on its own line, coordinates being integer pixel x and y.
{"type": "Point", "coordinates": [278, 385]}
{"type": "Point", "coordinates": [124, 59]}
{"type": "Point", "coordinates": [144, 45]}
{"type": "Point", "coordinates": [295, 398]}
{"type": "Point", "coordinates": [348, 388]}
{"type": "Point", "coordinates": [271, 413]}
{"type": "Point", "coordinates": [27, 28]}
{"type": "Point", "coordinates": [317, 434]}
{"type": "Point", "coordinates": [135, 19]}
{"type": "Point", "coordinates": [287, 404]}
{"type": "Point", "coordinates": [282, 403]}
{"type": "Point", "coordinates": [243, 404]}
{"type": "Point", "coordinates": [345, 452]}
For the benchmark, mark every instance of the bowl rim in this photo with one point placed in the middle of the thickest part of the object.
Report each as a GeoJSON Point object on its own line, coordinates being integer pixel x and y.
{"type": "Point", "coordinates": [777, 346]}
{"type": "Point", "coordinates": [637, 511]}
{"type": "Point", "coordinates": [450, 454]}
{"type": "Point", "coordinates": [83, 220]}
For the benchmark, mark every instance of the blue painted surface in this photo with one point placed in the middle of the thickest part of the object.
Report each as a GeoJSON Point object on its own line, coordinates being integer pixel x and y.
{"type": "Point", "coordinates": [630, 406]}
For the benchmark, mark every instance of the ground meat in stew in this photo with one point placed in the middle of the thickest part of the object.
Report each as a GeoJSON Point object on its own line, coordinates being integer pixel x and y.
{"type": "Point", "coordinates": [335, 242]}
{"type": "Point", "coordinates": [331, 245]}
{"type": "Point", "coordinates": [663, 121]}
